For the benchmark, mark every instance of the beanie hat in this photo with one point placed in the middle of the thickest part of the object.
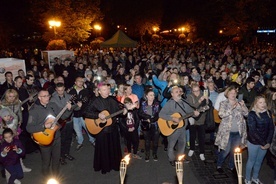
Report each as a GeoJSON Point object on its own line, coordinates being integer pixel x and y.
{"type": "Point", "coordinates": [4, 112]}
{"type": "Point", "coordinates": [88, 72]}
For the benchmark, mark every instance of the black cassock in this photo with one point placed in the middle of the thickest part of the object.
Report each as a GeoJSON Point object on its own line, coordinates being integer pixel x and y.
{"type": "Point", "coordinates": [108, 152]}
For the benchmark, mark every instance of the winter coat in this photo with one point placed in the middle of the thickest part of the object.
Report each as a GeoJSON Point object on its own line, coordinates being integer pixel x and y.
{"type": "Point", "coordinates": [228, 116]}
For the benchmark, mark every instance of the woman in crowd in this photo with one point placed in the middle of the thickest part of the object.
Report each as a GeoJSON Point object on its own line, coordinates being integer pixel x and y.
{"type": "Point", "coordinates": [148, 113]}
{"type": "Point", "coordinates": [11, 101]}
{"type": "Point", "coordinates": [196, 100]}
{"type": "Point", "coordinates": [260, 133]}
{"type": "Point", "coordinates": [270, 96]}
{"type": "Point", "coordinates": [232, 129]}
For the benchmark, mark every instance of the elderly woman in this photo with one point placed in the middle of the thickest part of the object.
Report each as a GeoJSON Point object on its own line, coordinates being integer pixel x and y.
{"type": "Point", "coordinates": [232, 129]}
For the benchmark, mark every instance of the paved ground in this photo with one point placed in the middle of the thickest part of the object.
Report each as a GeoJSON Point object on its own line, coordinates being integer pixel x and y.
{"type": "Point", "coordinates": [80, 171]}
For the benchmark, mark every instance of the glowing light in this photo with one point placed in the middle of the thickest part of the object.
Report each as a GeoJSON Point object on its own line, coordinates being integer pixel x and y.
{"type": "Point", "coordinates": [54, 23]}
{"type": "Point", "coordinates": [52, 181]}
{"type": "Point", "coordinates": [237, 150]}
{"type": "Point", "coordinates": [97, 27]}
{"type": "Point", "coordinates": [127, 159]}
{"type": "Point", "coordinates": [181, 157]}
{"type": "Point", "coordinates": [220, 31]}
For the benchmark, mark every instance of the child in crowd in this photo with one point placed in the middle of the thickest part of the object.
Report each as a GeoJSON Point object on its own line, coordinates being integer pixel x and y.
{"type": "Point", "coordinates": [8, 120]}
{"type": "Point", "coordinates": [11, 152]}
{"type": "Point", "coordinates": [129, 125]}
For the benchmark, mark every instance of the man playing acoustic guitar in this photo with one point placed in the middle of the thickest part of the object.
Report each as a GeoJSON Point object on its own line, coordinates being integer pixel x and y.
{"type": "Point", "coordinates": [176, 106]}
{"type": "Point", "coordinates": [107, 155]}
{"type": "Point", "coordinates": [41, 118]}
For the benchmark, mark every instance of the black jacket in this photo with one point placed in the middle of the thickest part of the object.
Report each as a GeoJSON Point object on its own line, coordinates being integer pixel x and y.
{"type": "Point", "coordinates": [260, 129]}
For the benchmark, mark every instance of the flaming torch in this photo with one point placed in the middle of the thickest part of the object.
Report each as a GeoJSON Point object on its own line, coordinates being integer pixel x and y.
{"type": "Point", "coordinates": [238, 163]}
{"type": "Point", "coordinates": [179, 168]}
{"type": "Point", "coordinates": [123, 167]}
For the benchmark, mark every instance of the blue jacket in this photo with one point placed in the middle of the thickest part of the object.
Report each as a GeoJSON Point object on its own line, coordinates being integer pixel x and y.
{"type": "Point", "coordinates": [138, 90]}
{"type": "Point", "coordinates": [162, 86]}
{"type": "Point", "coordinates": [260, 129]}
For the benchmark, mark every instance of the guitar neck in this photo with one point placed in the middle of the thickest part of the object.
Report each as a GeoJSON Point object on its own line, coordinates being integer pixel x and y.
{"type": "Point", "coordinates": [114, 114]}
{"type": "Point", "coordinates": [186, 116]}
{"type": "Point", "coordinates": [60, 114]}
{"type": "Point", "coordinates": [26, 100]}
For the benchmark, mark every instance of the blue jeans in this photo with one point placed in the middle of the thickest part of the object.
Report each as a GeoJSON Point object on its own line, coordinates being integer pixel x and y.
{"type": "Point", "coordinates": [79, 123]}
{"type": "Point", "coordinates": [180, 136]}
{"type": "Point", "coordinates": [254, 160]}
{"type": "Point", "coordinates": [233, 142]}
{"type": "Point", "coordinates": [15, 171]}
{"type": "Point", "coordinates": [187, 135]}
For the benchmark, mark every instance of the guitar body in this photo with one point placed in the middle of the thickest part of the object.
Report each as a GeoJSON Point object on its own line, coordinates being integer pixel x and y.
{"type": "Point", "coordinates": [94, 126]}
{"type": "Point", "coordinates": [46, 137]}
{"type": "Point", "coordinates": [217, 119]}
{"type": "Point", "coordinates": [168, 127]}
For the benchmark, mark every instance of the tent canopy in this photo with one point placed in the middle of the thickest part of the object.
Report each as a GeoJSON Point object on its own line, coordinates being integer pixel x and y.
{"type": "Point", "coordinates": [119, 39]}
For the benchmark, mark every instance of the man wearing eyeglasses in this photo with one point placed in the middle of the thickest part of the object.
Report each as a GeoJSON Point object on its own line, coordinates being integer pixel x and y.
{"type": "Point", "coordinates": [41, 117]}
{"type": "Point", "coordinates": [175, 104]}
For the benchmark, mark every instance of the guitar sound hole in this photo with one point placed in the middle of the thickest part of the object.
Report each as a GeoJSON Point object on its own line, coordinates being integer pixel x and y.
{"type": "Point", "coordinates": [102, 124]}
{"type": "Point", "coordinates": [174, 126]}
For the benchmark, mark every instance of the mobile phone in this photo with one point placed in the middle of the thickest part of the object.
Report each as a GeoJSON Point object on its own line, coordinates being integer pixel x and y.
{"type": "Point", "coordinates": [205, 93]}
{"type": "Point", "coordinates": [11, 147]}
{"type": "Point", "coordinates": [240, 97]}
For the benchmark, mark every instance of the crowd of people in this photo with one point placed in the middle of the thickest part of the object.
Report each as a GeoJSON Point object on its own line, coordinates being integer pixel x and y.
{"type": "Point", "coordinates": [129, 92]}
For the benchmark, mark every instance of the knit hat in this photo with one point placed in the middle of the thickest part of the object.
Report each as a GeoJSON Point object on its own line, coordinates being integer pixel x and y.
{"type": "Point", "coordinates": [4, 112]}
{"type": "Point", "coordinates": [111, 81]}
{"type": "Point", "coordinates": [88, 72]}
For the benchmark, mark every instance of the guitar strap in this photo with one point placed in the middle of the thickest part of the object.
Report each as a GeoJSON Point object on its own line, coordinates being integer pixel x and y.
{"type": "Point", "coordinates": [181, 107]}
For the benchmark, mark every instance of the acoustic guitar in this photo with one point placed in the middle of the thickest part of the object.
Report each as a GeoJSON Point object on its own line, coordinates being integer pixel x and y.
{"type": "Point", "coordinates": [95, 126]}
{"type": "Point", "coordinates": [168, 127]}
{"type": "Point", "coordinates": [46, 137]}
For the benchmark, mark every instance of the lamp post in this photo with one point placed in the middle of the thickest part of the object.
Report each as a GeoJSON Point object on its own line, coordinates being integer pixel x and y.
{"type": "Point", "coordinates": [97, 27]}
{"type": "Point", "coordinates": [54, 24]}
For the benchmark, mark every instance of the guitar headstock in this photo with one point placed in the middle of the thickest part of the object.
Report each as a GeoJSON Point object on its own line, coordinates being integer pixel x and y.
{"type": "Point", "coordinates": [84, 99]}
{"type": "Point", "coordinates": [204, 108]}
{"type": "Point", "coordinates": [72, 98]}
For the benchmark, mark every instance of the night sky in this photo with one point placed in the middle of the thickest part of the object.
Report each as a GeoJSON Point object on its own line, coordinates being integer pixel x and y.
{"type": "Point", "coordinates": [16, 14]}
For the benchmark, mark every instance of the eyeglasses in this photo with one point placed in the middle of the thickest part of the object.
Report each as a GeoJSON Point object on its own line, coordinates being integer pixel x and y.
{"type": "Point", "coordinates": [196, 91]}
{"type": "Point", "coordinates": [45, 96]}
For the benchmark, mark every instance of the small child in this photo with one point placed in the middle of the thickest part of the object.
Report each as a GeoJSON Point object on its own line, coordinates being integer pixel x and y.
{"type": "Point", "coordinates": [130, 124]}
{"type": "Point", "coordinates": [11, 152]}
{"type": "Point", "coordinates": [9, 121]}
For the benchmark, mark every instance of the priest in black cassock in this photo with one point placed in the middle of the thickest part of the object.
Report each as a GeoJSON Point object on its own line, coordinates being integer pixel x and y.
{"type": "Point", "coordinates": [108, 152]}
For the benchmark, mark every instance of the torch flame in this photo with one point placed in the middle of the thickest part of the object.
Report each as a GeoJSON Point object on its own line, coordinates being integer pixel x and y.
{"type": "Point", "coordinates": [237, 150]}
{"type": "Point", "coordinates": [181, 157]}
{"type": "Point", "coordinates": [126, 159]}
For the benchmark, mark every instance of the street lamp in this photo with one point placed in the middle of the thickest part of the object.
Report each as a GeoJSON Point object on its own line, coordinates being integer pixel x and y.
{"type": "Point", "coordinates": [97, 27]}
{"type": "Point", "coordinates": [54, 24]}
{"type": "Point", "coordinates": [155, 29]}
{"type": "Point", "coordinates": [183, 29]}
